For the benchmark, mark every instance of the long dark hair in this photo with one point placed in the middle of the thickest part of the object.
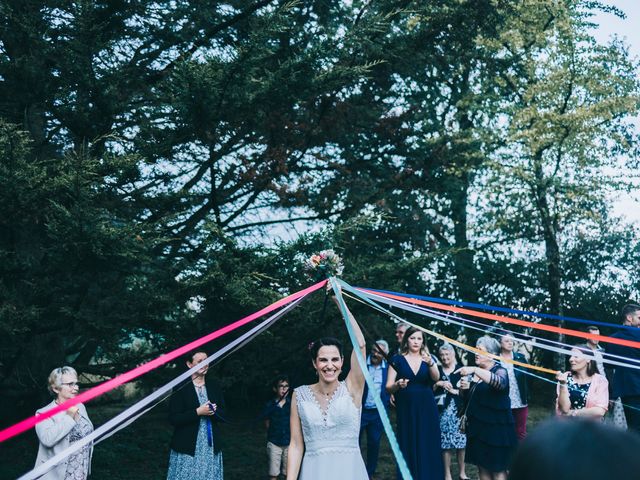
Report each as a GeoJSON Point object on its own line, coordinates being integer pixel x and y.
{"type": "Point", "coordinates": [605, 452]}
{"type": "Point", "coordinates": [404, 346]}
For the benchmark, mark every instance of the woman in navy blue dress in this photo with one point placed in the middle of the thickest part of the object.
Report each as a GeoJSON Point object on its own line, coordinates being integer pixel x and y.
{"type": "Point", "coordinates": [411, 381]}
{"type": "Point", "coordinates": [491, 432]}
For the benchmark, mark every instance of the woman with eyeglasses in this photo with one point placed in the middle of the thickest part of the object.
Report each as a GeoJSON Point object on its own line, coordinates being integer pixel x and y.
{"type": "Point", "coordinates": [491, 433]}
{"type": "Point", "coordinates": [56, 433]}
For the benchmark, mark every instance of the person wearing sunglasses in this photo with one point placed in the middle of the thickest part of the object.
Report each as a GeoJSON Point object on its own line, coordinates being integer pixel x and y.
{"type": "Point", "coordinates": [58, 432]}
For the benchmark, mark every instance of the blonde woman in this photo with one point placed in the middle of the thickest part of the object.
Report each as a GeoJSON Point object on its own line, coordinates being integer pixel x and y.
{"type": "Point", "coordinates": [56, 433]}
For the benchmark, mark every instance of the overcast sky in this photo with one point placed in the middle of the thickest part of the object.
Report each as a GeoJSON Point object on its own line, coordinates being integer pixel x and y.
{"type": "Point", "coordinates": [629, 30]}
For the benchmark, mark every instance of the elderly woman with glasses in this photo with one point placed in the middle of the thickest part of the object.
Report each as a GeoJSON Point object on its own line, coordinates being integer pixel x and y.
{"type": "Point", "coordinates": [56, 433]}
{"type": "Point", "coordinates": [491, 433]}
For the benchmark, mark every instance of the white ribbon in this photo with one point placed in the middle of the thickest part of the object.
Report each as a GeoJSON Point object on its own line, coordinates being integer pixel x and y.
{"type": "Point", "coordinates": [138, 409]}
{"type": "Point", "coordinates": [425, 312]}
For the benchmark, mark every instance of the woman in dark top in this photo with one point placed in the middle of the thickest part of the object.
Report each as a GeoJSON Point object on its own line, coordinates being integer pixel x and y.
{"type": "Point", "coordinates": [194, 412]}
{"type": "Point", "coordinates": [411, 380]}
{"type": "Point", "coordinates": [491, 434]}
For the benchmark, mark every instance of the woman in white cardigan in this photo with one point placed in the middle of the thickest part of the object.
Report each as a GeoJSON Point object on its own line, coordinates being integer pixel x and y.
{"type": "Point", "coordinates": [56, 433]}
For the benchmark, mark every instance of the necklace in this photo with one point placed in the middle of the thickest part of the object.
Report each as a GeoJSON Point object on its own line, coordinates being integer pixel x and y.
{"type": "Point", "coordinates": [326, 394]}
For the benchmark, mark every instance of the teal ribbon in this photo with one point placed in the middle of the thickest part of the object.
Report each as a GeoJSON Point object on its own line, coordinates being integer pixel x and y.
{"type": "Point", "coordinates": [395, 448]}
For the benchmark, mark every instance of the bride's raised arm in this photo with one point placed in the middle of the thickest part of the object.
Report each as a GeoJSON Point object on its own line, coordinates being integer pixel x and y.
{"type": "Point", "coordinates": [355, 379]}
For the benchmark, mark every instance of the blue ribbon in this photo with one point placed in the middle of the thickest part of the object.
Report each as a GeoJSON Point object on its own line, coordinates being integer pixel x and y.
{"type": "Point", "coordinates": [501, 309]}
{"type": "Point", "coordinates": [370, 302]}
{"type": "Point", "coordinates": [209, 433]}
{"type": "Point", "coordinates": [393, 442]}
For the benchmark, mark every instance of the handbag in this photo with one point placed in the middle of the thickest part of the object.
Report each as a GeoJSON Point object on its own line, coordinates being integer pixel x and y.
{"type": "Point", "coordinates": [463, 420]}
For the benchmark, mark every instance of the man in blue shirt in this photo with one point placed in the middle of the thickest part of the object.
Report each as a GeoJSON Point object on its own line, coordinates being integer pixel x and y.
{"type": "Point", "coordinates": [276, 413]}
{"type": "Point", "coordinates": [626, 381]}
{"type": "Point", "coordinates": [370, 421]}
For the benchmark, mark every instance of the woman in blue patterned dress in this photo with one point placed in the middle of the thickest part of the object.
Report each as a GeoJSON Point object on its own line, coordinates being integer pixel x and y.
{"type": "Point", "coordinates": [582, 392]}
{"type": "Point", "coordinates": [196, 448]}
{"type": "Point", "coordinates": [449, 405]}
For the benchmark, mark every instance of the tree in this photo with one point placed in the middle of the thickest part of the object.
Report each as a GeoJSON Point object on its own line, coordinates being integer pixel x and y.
{"type": "Point", "coordinates": [568, 129]}
{"type": "Point", "coordinates": [76, 269]}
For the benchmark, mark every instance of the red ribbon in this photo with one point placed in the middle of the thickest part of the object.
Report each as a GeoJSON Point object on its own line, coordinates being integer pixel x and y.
{"type": "Point", "coordinates": [109, 385]}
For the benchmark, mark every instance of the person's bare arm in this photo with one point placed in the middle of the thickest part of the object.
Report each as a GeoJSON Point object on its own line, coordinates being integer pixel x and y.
{"type": "Point", "coordinates": [591, 412]}
{"type": "Point", "coordinates": [296, 445]}
{"type": "Point", "coordinates": [434, 373]}
{"type": "Point", "coordinates": [355, 379]}
{"type": "Point", "coordinates": [394, 385]}
{"type": "Point", "coordinates": [564, 403]}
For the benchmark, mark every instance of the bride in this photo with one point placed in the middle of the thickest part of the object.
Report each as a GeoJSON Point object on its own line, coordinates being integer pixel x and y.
{"type": "Point", "coordinates": [325, 416]}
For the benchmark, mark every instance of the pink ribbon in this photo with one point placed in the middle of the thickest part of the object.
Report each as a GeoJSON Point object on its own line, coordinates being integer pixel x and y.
{"type": "Point", "coordinates": [109, 385]}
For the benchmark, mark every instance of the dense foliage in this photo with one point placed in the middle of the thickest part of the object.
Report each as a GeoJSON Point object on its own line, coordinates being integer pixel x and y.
{"type": "Point", "coordinates": [164, 165]}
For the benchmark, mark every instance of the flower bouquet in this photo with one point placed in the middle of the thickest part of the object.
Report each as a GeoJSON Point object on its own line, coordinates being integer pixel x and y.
{"type": "Point", "coordinates": [323, 265]}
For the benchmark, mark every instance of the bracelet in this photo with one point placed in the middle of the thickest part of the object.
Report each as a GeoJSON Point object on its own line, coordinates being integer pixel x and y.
{"type": "Point", "coordinates": [561, 383]}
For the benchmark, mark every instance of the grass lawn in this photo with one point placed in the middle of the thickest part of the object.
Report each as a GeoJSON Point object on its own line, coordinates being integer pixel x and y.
{"type": "Point", "coordinates": [141, 451]}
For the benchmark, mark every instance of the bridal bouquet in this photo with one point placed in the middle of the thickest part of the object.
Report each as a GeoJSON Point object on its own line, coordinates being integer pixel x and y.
{"type": "Point", "coordinates": [323, 265]}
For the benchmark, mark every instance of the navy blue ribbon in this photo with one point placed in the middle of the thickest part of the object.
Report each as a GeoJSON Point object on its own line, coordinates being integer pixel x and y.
{"type": "Point", "coordinates": [209, 433]}
{"type": "Point", "coordinates": [501, 309]}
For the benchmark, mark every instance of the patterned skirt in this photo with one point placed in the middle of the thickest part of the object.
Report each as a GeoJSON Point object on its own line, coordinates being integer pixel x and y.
{"type": "Point", "coordinates": [450, 435]}
{"type": "Point", "coordinates": [204, 465]}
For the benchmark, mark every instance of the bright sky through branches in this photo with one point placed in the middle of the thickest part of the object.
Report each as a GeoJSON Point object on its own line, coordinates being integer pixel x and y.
{"type": "Point", "coordinates": [626, 29]}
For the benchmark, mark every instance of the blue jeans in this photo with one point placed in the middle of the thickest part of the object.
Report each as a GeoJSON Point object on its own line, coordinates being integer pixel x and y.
{"type": "Point", "coordinates": [372, 424]}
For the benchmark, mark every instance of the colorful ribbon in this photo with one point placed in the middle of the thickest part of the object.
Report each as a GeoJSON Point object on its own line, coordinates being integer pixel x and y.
{"type": "Point", "coordinates": [517, 365]}
{"type": "Point", "coordinates": [126, 377]}
{"type": "Point", "coordinates": [393, 442]}
{"type": "Point", "coordinates": [543, 343]}
{"type": "Point", "coordinates": [482, 306]}
{"type": "Point", "coordinates": [141, 407]}
{"type": "Point", "coordinates": [522, 323]}
{"type": "Point", "coordinates": [447, 339]}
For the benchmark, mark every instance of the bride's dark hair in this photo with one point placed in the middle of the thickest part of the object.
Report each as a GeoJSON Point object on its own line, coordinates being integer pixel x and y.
{"type": "Point", "coordinates": [314, 347]}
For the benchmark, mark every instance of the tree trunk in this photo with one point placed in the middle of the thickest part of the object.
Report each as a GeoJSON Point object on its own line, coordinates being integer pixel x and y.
{"type": "Point", "coordinates": [463, 255]}
{"type": "Point", "coordinates": [549, 226]}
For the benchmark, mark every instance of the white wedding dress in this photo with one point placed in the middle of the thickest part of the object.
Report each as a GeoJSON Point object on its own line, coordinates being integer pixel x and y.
{"type": "Point", "coordinates": [332, 449]}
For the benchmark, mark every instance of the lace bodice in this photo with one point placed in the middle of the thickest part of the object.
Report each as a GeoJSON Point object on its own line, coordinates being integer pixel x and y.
{"type": "Point", "coordinates": [333, 430]}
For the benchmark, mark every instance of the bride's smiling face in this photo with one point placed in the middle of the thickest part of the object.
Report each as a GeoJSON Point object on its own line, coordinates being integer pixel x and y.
{"type": "Point", "coordinates": [328, 363]}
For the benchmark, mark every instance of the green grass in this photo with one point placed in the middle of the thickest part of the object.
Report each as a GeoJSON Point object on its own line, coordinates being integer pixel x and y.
{"type": "Point", "coordinates": [141, 451]}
